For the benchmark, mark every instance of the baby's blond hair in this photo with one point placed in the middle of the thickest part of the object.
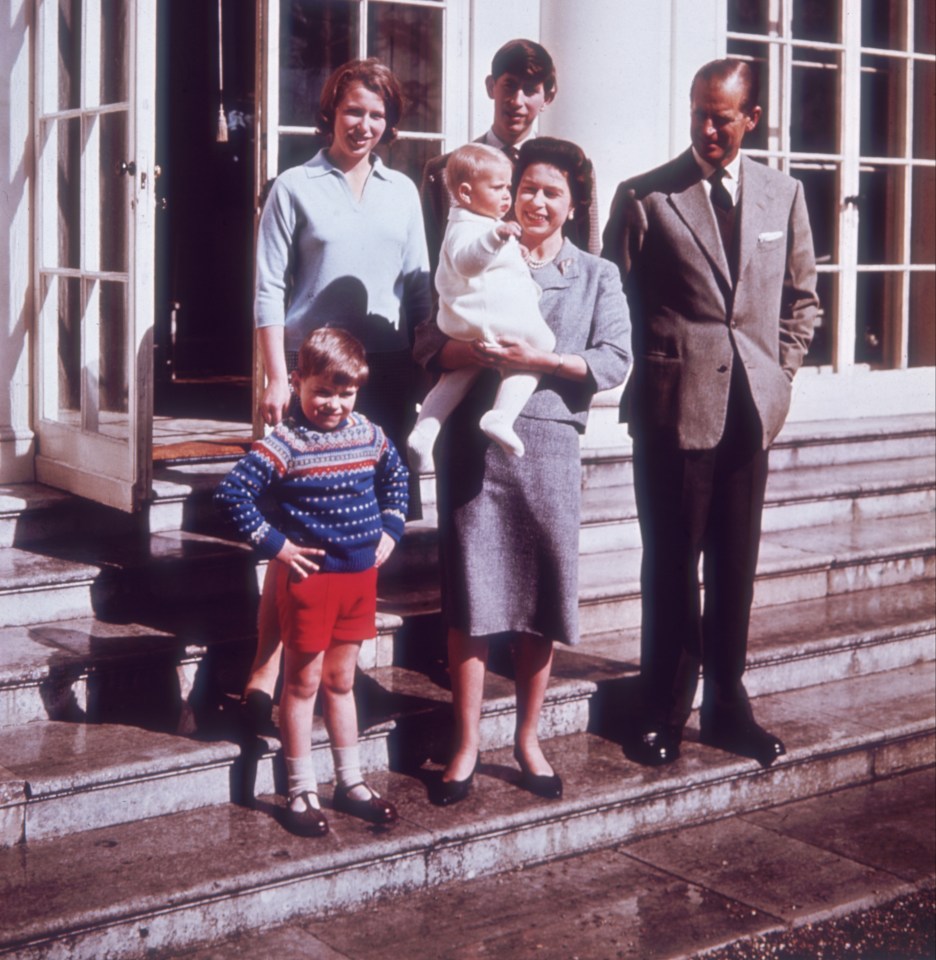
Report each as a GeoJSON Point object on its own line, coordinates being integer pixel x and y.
{"type": "Point", "coordinates": [465, 163]}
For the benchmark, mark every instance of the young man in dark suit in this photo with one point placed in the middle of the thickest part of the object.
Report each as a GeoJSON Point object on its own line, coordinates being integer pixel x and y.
{"type": "Point", "coordinates": [716, 255]}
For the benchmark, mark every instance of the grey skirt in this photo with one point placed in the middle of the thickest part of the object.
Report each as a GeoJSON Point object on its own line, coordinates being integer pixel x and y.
{"type": "Point", "coordinates": [509, 529]}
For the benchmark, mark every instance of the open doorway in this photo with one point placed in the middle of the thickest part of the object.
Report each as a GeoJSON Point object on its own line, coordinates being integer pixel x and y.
{"type": "Point", "coordinates": [203, 330]}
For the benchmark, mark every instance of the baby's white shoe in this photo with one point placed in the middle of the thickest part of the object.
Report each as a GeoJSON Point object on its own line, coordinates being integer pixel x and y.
{"type": "Point", "coordinates": [500, 429]}
{"type": "Point", "coordinates": [419, 447]}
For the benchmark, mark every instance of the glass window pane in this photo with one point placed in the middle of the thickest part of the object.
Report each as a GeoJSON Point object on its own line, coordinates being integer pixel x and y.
{"type": "Point", "coordinates": [882, 24]}
{"type": "Point", "coordinates": [816, 20]}
{"type": "Point", "coordinates": [814, 114]}
{"type": "Point", "coordinates": [923, 222]}
{"type": "Point", "coordinates": [69, 192]}
{"type": "Point", "coordinates": [113, 380]}
{"type": "Point", "coordinates": [409, 40]}
{"type": "Point", "coordinates": [114, 187]}
{"type": "Point", "coordinates": [747, 16]}
{"type": "Point", "coordinates": [924, 26]}
{"type": "Point", "coordinates": [878, 302]}
{"type": "Point", "coordinates": [410, 156]}
{"type": "Point", "coordinates": [756, 55]}
{"type": "Point", "coordinates": [114, 60]}
{"type": "Point", "coordinates": [922, 333]}
{"type": "Point", "coordinates": [317, 37]}
{"type": "Point", "coordinates": [69, 51]}
{"type": "Point", "coordinates": [879, 234]}
{"type": "Point", "coordinates": [69, 347]}
{"type": "Point", "coordinates": [295, 150]}
{"type": "Point", "coordinates": [821, 190]}
{"type": "Point", "coordinates": [924, 101]}
{"type": "Point", "coordinates": [883, 81]}
{"type": "Point", "coordinates": [820, 350]}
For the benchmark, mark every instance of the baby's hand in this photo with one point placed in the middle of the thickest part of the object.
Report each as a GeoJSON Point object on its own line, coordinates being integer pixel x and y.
{"type": "Point", "coordinates": [384, 549]}
{"type": "Point", "coordinates": [507, 229]}
{"type": "Point", "coordinates": [299, 559]}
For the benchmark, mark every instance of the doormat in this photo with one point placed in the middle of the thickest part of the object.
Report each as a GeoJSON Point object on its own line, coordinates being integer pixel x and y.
{"type": "Point", "coordinates": [200, 451]}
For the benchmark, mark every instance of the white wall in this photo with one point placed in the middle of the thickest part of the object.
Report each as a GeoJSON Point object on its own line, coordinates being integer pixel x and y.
{"type": "Point", "coordinates": [492, 23]}
{"type": "Point", "coordinates": [16, 441]}
{"type": "Point", "coordinates": [624, 72]}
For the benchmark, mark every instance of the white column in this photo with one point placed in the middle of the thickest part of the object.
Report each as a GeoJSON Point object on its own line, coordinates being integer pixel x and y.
{"type": "Point", "coordinates": [16, 439]}
{"type": "Point", "coordinates": [624, 72]}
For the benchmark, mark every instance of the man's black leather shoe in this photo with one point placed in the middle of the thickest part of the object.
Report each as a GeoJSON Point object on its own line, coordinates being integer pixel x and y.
{"type": "Point", "coordinates": [656, 746]}
{"type": "Point", "coordinates": [745, 738]}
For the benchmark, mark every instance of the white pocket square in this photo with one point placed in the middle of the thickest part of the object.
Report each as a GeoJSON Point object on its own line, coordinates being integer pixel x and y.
{"type": "Point", "coordinates": [769, 236]}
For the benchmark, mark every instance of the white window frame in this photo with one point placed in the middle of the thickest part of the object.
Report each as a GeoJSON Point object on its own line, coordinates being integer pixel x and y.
{"type": "Point", "coordinates": [849, 161]}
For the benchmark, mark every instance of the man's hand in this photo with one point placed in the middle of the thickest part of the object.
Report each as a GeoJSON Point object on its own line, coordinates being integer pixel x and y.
{"type": "Point", "coordinates": [384, 549]}
{"type": "Point", "coordinates": [299, 559]}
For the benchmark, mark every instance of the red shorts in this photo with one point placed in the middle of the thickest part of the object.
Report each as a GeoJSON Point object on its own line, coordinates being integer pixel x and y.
{"type": "Point", "coordinates": [326, 607]}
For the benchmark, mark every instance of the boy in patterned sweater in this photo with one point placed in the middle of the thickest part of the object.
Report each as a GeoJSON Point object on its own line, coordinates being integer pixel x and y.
{"type": "Point", "coordinates": [342, 491]}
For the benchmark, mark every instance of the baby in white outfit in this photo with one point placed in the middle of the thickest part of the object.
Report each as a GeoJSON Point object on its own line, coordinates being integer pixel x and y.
{"type": "Point", "coordinates": [485, 292]}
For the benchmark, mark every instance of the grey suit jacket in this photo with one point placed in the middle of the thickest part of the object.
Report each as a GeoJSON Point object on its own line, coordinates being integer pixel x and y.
{"type": "Point", "coordinates": [690, 322]}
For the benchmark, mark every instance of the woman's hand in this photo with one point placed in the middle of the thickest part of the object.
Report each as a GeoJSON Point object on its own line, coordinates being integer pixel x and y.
{"type": "Point", "coordinates": [274, 402]}
{"type": "Point", "coordinates": [511, 355]}
{"type": "Point", "coordinates": [299, 559]}
{"type": "Point", "coordinates": [384, 549]}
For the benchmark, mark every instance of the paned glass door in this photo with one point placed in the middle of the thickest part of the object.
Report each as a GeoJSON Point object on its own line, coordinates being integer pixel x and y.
{"type": "Point", "coordinates": [95, 94]}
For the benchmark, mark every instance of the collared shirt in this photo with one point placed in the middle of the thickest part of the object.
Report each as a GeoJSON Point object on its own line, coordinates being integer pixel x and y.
{"type": "Point", "coordinates": [325, 258]}
{"type": "Point", "coordinates": [493, 140]}
{"type": "Point", "coordinates": [731, 180]}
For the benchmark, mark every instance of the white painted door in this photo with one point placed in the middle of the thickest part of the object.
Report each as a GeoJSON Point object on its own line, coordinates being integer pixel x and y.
{"type": "Point", "coordinates": [95, 139]}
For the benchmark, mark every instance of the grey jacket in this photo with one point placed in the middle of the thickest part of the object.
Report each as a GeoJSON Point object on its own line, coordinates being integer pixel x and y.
{"type": "Point", "coordinates": [691, 324]}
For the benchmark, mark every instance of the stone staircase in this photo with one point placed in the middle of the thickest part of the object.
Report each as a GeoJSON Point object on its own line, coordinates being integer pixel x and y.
{"type": "Point", "coordinates": [138, 816]}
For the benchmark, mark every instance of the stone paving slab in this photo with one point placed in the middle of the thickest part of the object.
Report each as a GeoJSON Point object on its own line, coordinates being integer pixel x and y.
{"type": "Point", "coordinates": [634, 902]}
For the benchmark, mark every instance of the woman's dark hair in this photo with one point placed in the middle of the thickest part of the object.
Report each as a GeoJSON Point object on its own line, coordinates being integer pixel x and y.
{"type": "Point", "coordinates": [580, 175]}
{"type": "Point", "coordinates": [527, 60]}
{"type": "Point", "coordinates": [334, 355]}
{"type": "Point", "coordinates": [376, 77]}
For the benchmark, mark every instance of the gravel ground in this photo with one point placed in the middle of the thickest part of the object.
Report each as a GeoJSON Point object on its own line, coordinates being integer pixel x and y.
{"type": "Point", "coordinates": [904, 929]}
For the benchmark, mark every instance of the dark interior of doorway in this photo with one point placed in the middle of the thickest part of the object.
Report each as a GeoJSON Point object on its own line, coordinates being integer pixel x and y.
{"type": "Point", "coordinates": [204, 236]}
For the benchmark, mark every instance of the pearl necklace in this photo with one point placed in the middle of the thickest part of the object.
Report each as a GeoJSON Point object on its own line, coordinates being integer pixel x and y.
{"type": "Point", "coordinates": [539, 264]}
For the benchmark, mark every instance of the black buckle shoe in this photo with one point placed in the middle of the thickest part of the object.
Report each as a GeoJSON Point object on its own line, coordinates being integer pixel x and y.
{"type": "Point", "coordinates": [374, 809]}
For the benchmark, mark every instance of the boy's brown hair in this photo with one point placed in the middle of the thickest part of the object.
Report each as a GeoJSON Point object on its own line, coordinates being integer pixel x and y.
{"type": "Point", "coordinates": [334, 355]}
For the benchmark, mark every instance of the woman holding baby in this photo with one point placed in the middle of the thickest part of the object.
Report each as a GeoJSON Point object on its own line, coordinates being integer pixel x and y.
{"type": "Point", "coordinates": [509, 524]}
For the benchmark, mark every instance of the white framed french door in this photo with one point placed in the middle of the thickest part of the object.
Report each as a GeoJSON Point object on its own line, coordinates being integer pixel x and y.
{"type": "Point", "coordinates": [94, 249]}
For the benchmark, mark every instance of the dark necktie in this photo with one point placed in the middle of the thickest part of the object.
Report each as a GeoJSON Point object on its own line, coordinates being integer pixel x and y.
{"type": "Point", "coordinates": [512, 153]}
{"type": "Point", "coordinates": [725, 212]}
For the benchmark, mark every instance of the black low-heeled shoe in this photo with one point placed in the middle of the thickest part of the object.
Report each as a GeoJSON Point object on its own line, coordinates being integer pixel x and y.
{"type": "Point", "coordinates": [447, 792]}
{"type": "Point", "coordinates": [373, 809]}
{"type": "Point", "coordinates": [307, 820]}
{"type": "Point", "coordinates": [547, 786]}
{"type": "Point", "coordinates": [257, 710]}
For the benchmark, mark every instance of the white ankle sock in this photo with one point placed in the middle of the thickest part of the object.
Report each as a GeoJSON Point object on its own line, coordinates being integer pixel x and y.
{"type": "Point", "coordinates": [348, 772]}
{"type": "Point", "coordinates": [500, 429]}
{"type": "Point", "coordinates": [301, 778]}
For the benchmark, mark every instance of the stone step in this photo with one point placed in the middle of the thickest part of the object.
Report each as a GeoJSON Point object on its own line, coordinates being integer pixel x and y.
{"type": "Point", "coordinates": [801, 497]}
{"type": "Point", "coordinates": [606, 448]}
{"type": "Point", "coordinates": [167, 883]}
{"type": "Point", "coordinates": [794, 565]}
{"type": "Point", "coordinates": [76, 774]}
{"type": "Point", "coordinates": [83, 776]}
{"type": "Point", "coordinates": [165, 674]}
{"type": "Point", "coordinates": [791, 646]}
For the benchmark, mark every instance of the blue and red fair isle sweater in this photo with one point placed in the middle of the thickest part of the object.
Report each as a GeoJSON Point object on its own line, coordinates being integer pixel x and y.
{"type": "Point", "coordinates": [338, 490]}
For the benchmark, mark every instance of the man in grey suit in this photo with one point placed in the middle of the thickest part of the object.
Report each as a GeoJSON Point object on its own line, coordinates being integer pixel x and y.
{"type": "Point", "coordinates": [717, 260]}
